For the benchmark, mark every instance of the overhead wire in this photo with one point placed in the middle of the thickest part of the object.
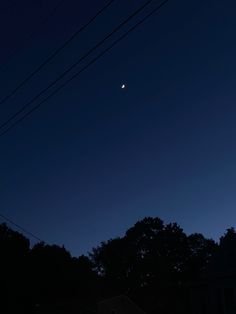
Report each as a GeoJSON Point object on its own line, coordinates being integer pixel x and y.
{"type": "Point", "coordinates": [32, 35]}
{"type": "Point", "coordinates": [90, 51]}
{"type": "Point", "coordinates": [155, 10]}
{"type": "Point", "coordinates": [55, 53]}
{"type": "Point", "coordinates": [20, 227]}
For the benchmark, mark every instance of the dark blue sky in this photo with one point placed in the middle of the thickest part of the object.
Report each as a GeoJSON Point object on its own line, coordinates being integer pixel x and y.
{"type": "Point", "coordinates": [95, 158]}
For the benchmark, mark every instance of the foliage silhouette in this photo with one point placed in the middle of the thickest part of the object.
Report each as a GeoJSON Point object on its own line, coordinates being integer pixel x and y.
{"type": "Point", "coordinates": [152, 263]}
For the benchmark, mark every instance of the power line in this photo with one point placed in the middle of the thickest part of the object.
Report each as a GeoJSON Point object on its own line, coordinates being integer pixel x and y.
{"type": "Point", "coordinates": [155, 10]}
{"type": "Point", "coordinates": [55, 53]}
{"type": "Point", "coordinates": [20, 228]}
{"type": "Point", "coordinates": [31, 36]}
{"type": "Point", "coordinates": [91, 50]}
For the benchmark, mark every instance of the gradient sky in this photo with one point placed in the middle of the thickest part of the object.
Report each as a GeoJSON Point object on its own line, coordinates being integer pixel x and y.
{"type": "Point", "coordinates": [96, 158]}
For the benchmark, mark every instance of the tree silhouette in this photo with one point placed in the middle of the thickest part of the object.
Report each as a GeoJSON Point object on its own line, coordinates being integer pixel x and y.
{"type": "Point", "coordinates": [152, 263]}
{"type": "Point", "coordinates": [14, 250]}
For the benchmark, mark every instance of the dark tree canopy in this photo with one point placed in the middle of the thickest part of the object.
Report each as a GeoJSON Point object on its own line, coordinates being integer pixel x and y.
{"type": "Point", "coordinates": [152, 259]}
{"type": "Point", "coordinates": [152, 263]}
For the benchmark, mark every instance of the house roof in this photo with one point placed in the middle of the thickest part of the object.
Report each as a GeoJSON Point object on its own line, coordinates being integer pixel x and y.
{"type": "Point", "coordinates": [119, 305]}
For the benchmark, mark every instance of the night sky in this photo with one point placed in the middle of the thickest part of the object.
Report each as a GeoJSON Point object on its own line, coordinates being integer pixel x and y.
{"type": "Point", "coordinates": [96, 158]}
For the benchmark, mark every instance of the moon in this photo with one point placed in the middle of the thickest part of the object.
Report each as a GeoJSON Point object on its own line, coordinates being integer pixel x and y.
{"type": "Point", "coordinates": [123, 86]}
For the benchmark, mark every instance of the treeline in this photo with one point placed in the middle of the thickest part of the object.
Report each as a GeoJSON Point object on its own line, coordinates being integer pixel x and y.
{"type": "Point", "coordinates": [153, 264]}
